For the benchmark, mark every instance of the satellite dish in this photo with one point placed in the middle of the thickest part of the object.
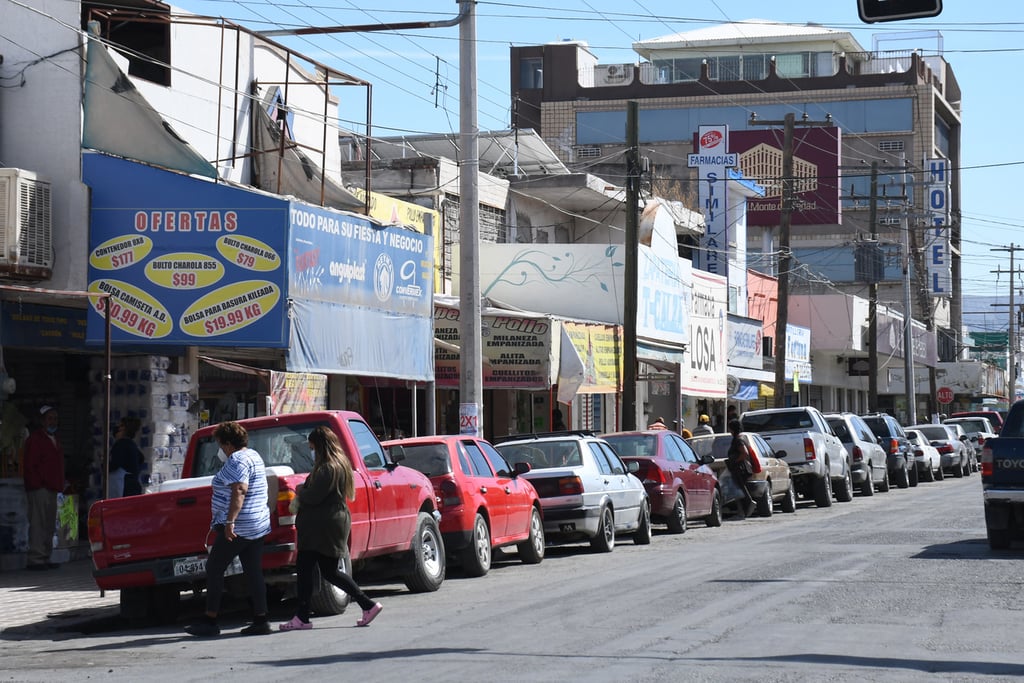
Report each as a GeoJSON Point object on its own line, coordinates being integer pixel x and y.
{"type": "Point", "coordinates": [732, 384]}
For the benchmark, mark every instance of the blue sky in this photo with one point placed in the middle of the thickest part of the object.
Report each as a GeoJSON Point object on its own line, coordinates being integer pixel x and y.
{"type": "Point", "coordinates": [415, 74]}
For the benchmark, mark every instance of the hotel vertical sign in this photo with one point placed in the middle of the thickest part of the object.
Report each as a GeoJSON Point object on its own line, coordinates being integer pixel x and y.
{"type": "Point", "coordinates": [711, 159]}
{"type": "Point", "coordinates": [937, 246]}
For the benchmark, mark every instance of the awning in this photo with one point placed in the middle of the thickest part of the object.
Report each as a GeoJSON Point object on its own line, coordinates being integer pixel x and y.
{"type": "Point", "coordinates": [654, 352]}
{"type": "Point", "coordinates": [766, 390]}
{"type": "Point", "coordinates": [751, 374]}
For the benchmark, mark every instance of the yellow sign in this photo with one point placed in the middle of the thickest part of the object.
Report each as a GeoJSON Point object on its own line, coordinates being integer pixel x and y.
{"type": "Point", "coordinates": [600, 348]}
{"type": "Point", "coordinates": [391, 211]}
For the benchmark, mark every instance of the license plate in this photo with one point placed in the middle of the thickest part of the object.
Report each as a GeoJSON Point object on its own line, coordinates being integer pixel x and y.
{"type": "Point", "coordinates": [196, 566]}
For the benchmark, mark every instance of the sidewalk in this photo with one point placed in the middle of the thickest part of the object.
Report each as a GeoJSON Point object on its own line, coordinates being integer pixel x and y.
{"type": "Point", "coordinates": [36, 602]}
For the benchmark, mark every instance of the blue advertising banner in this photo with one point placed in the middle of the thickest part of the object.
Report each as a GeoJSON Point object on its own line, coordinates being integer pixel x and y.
{"type": "Point", "coordinates": [347, 259]}
{"type": "Point", "coordinates": [185, 261]}
{"type": "Point", "coordinates": [41, 326]}
{"type": "Point", "coordinates": [358, 292]}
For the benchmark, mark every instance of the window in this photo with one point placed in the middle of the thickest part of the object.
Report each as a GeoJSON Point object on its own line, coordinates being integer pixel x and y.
{"type": "Point", "coordinates": [146, 42]}
{"type": "Point", "coordinates": [613, 460]}
{"type": "Point", "coordinates": [369, 448]}
{"type": "Point", "coordinates": [286, 445]}
{"type": "Point", "coordinates": [673, 452]}
{"type": "Point", "coordinates": [430, 459]}
{"type": "Point", "coordinates": [481, 468]}
{"type": "Point", "coordinates": [501, 466]}
{"type": "Point", "coordinates": [688, 453]}
{"type": "Point", "coordinates": [796, 65]}
{"type": "Point", "coordinates": [531, 72]}
{"type": "Point", "coordinates": [601, 458]}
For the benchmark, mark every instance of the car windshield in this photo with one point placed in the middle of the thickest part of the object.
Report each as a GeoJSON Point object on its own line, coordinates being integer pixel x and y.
{"type": "Point", "coordinates": [429, 458]}
{"type": "Point", "coordinates": [838, 426]}
{"type": "Point", "coordinates": [717, 445]}
{"type": "Point", "coordinates": [935, 433]}
{"type": "Point", "coordinates": [633, 445]}
{"type": "Point", "coordinates": [277, 445]}
{"type": "Point", "coordinates": [976, 425]}
{"type": "Point", "coordinates": [541, 455]}
{"type": "Point", "coordinates": [775, 422]}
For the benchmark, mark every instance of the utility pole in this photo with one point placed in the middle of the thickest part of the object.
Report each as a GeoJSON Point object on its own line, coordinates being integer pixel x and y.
{"type": "Point", "coordinates": [873, 300]}
{"type": "Point", "coordinates": [785, 257]}
{"type": "Point", "coordinates": [629, 311]}
{"type": "Point", "coordinates": [1011, 340]}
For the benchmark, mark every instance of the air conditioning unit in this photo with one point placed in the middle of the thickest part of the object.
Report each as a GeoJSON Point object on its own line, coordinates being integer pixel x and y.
{"type": "Point", "coordinates": [613, 74]}
{"type": "Point", "coordinates": [26, 232]}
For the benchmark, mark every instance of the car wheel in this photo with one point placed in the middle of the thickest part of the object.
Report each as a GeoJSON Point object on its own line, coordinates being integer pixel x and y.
{"type": "Point", "coordinates": [998, 539]}
{"type": "Point", "coordinates": [913, 475]}
{"type": "Point", "coordinates": [476, 557]}
{"type": "Point", "coordinates": [823, 491]}
{"type": "Point", "coordinates": [844, 494]}
{"type": "Point", "coordinates": [883, 486]}
{"type": "Point", "coordinates": [642, 535]}
{"type": "Point", "coordinates": [604, 541]}
{"type": "Point", "coordinates": [714, 517]}
{"type": "Point", "coordinates": [968, 468]}
{"type": "Point", "coordinates": [765, 504]}
{"type": "Point", "coordinates": [903, 478]}
{"type": "Point", "coordinates": [929, 473]}
{"type": "Point", "coordinates": [868, 487]}
{"type": "Point", "coordinates": [940, 473]}
{"type": "Point", "coordinates": [328, 598]}
{"type": "Point", "coordinates": [677, 518]}
{"type": "Point", "coordinates": [531, 551]}
{"type": "Point", "coordinates": [428, 560]}
{"type": "Point", "coordinates": [958, 471]}
{"type": "Point", "coordinates": [789, 502]}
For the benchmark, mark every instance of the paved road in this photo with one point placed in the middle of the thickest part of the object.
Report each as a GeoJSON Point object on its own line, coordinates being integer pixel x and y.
{"type": "Point", "coordinates": [896, 587]}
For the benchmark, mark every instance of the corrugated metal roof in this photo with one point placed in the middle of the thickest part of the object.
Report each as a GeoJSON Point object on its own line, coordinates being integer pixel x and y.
{"type": "Point", "coordinates": [749, 31]}
{"type": "Point", "coordinates": [505, 153]}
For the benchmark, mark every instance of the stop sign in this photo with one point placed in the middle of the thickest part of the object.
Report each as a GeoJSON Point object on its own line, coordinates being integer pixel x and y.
{"type": "Point", "coordinates": [945, 395]}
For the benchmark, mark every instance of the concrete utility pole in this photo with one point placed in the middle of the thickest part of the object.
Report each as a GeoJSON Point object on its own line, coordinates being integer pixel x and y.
{"type": "Point", "coordinates": [873, 299]}
{"type": "Point", "coordinates": [785, 257]}
{"type": "Point", "coordinates": [629, 305]}
{"type": "Point", "coordinates": [1011, 338]}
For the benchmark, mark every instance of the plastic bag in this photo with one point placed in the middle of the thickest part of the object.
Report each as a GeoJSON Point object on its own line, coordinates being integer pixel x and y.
{"type": "Point", "coordinates": [730, 489]}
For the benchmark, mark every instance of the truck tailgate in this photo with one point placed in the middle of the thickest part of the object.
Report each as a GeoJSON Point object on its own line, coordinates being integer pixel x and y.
{"type": "Point", "coordinates": [1007, 464]}
{"type": "Point", "coordinates": [155, 525]}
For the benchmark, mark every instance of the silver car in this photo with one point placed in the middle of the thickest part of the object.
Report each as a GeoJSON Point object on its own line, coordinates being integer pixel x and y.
{"type": "Point", "coordinates": [586, 492]}
{"type": "Point", "coordinates": [978, 430]}
{"type": "Point", "coordinates": [952, 449]}
{"type": "Point", "coordinates": [868, 460]}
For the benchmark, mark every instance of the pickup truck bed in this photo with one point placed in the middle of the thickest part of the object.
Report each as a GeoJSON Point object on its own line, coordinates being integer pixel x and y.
{"type": "Point", "coordinates": [1002, 481]}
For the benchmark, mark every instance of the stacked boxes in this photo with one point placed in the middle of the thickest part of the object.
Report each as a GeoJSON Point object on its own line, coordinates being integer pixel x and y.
{"type": "Point", "coordinates": [141, 387]}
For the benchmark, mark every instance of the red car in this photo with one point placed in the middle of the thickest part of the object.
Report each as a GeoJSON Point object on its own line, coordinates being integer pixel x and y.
{"type": "Point", "coordinates": [679, 483]}
{"type": "Point", "coordinates": [483, 501]}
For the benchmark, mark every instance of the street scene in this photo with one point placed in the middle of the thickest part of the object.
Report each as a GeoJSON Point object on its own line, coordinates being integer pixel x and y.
{"type": "Point", "coordinates": [509, 342]}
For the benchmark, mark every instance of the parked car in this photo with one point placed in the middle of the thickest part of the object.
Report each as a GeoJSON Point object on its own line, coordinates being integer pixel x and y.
{"type": "Point", "coordinates": [997, 418]}
{"type": "Point", "coordinates": [978, 429]}
{"type": "Point", "coordinates": [926, 456]}
{"type": "Point", "coordinates": [817, 458]}
{"type": "Point", "coordinates": [485, 503]}
{"type": "Point", "coordinates": [680, 485]}
{"type": "Point", "coordinates": [952, 450]}
{"type": "Point", "coordinates": [771, 482]}
{"type": "Point", "coordinates": [586, 491]}
{"type": "Point", "coordinates": [891, 437]}
{"type": "Point", "coordinates": [868, 461]}
{"type": "Point", "coordinates": [972, 456]}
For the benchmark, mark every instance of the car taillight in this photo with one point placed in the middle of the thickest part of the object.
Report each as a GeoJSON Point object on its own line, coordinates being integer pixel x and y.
{"type": "Point", "coordinates": [894, 446]}
{"type": "Point", "coordinates": [981, 440]}
{"type": "Point", "coordinates": [95, 531]}
{"type": "Point", "coordinates": [986, 462]}
{"type": "Point", "coordinates": [285, 496]}
{"type": "Point", "coordinates": [945, 448]}
{"type": "Point", "coordinates": [809, 453]}
{"type": "Point", "coordinates": [858, 454]}
{"type": "Point", "coordinates": [570, 486]}
{"type": "Point", "coordinates": [755, 463]}
{"type": "Point", "coordinates": [655, 475]}
{"type": "Point", "coordinates": [919, 452]}
{"type": "Point", "coordinates": [450, 493]}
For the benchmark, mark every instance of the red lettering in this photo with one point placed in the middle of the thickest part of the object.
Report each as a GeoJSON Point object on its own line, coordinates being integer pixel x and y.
{"type": "Point", "coordinates": [230, 221]}
{"type": "Point", "coordinates": [155, 220]}
{"type": "Point", "coordinates": [170, 224]}
{"type": "Point", "coordinates": [140, 221]}
{"type": "Point", "coordinates": [185, 222]}
{"type": "Point", "coordinates": [200, 221]}
{"type": "Point", "coordinates": [214, 222]}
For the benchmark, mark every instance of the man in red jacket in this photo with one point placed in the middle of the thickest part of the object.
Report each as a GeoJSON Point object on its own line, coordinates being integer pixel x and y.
{"type": "Point", "coordinates": [44, 479]}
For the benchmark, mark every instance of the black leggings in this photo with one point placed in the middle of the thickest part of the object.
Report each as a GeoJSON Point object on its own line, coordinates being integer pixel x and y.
{"type": "Point", "coordinates": [250, 552]}
{"type": "Point", "coordinates": [304, 563]}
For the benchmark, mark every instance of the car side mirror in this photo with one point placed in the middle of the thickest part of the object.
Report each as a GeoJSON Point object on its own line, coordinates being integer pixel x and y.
{"type": "Point", "coordinates": [707, 459]}
{"type": "Point", "coordinates": [632, 467]}
{"type": "Point", "coordinates": [521, 468]}
{"type": "Point", "coordinates": [396, 453]}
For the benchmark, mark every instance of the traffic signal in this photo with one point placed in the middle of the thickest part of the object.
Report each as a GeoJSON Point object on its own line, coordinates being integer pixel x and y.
{"type": "Point", "coordinates": [894, 10]}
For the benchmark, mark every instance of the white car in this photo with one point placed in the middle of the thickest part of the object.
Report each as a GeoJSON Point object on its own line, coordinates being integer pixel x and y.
{"type": "Point", "coordinates": [952, 449]}
{"type": "Point", "coordinates": [586, 491]}
{"type": "Point", "coordinates": [926, 456]}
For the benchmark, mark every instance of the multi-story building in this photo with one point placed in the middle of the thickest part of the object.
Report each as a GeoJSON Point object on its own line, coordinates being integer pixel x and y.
{"type": "Point", "coordinates": [897, 112]}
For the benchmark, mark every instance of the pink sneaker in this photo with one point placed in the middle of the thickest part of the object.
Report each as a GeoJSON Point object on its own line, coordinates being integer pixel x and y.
{"type": "Point", "coordinates": [370, 614]}
{"type": "Point", "coordinates": [295, 624]}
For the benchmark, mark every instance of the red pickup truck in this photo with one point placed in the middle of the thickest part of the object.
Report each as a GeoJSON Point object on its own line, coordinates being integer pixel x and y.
{"type": "Point", "coordinates": [153, 546]}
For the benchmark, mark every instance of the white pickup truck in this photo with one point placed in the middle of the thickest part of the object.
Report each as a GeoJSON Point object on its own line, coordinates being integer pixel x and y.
{"type": "Point", "coordinates": [818, 461]}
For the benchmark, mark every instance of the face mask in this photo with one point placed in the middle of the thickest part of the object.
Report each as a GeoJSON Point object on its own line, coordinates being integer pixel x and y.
{"type": "Point", "coordinates": [221, 455]}
{"type": "Point", "coordinates": [51, 430]}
